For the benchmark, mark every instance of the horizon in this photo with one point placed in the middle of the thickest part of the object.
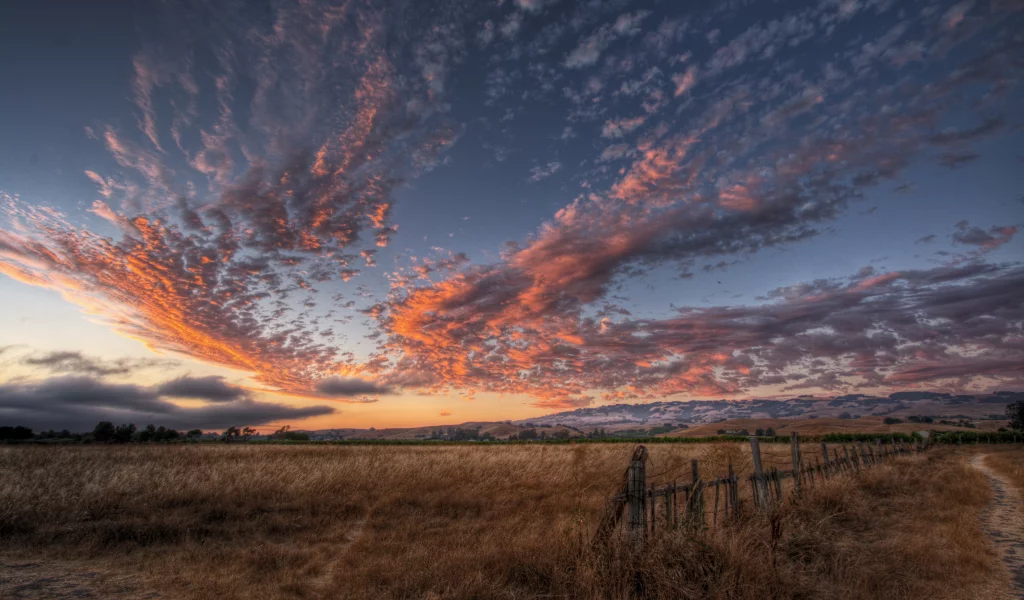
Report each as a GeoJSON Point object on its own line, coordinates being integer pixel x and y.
{"type": "Point", "coordinates": [356, 215]}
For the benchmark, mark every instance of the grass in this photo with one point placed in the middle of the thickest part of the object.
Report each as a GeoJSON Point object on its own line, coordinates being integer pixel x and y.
{"type": "Point", "coordinates": [514, 521]}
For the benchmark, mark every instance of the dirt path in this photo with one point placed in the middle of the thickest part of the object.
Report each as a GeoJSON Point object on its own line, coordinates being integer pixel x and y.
{"type": "Point", "coordinates": [1004, 524]}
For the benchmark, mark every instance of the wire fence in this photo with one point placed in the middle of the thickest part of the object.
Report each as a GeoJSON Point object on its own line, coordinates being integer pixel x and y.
{"type": "Point", "coordinates": [700, 503]}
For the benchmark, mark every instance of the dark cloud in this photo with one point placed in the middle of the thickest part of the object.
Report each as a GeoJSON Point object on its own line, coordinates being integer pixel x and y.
{"type": "Point", "coordinates": [78, 403]}
{"type": "Point", "coordinates": [76, 362]}
{"type": "Point", "coordinates": [346, 387]}
{"type": "Point", "coordinates": [991, 239]}
{"type": "Point", "coordinates": [211, 388]}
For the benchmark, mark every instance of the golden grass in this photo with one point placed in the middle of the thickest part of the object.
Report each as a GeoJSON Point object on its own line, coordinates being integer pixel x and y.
{"type": "Point", "coordinates": [324, 522]}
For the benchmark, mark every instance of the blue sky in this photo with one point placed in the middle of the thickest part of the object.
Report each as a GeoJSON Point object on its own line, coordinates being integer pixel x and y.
{"type": "Point", "coordinates": [391, 213]}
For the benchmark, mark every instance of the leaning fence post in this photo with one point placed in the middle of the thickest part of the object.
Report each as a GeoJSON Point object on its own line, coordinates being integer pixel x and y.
{"type": "Point", "coordinates": [794, 442]}
{"type": "Point", "coordinates": [760, 486]}
{"type": "Point", "coordinates": [637, 493]}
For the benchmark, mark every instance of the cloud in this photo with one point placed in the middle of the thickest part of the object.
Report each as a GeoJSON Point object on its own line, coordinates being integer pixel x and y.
{"type": "Point", "coordinates": [221, 220]}
{"type": "Point", "coordinates": [543, 172]}
{"type": "Point", "coordinates": [346, 387]}
{"type": "Point", "coordinates": [226, 239]}
{"type": "Point", "coordinates": [445, 413]}
{"type": "Point", "coordinates": [589, 49]}
{"type": "Point", "coordinates": [618, 128]}
{"type": "Point", "coordinates": [685, 81]}
{"type": "Point", "coordinates": [870, 330]}
{"type": "Point", "coordinates": [985, 240]}
{"type": "Point", "coordinates": [955, 160]}
{"type": "Point", "coordinates": [78, 403]}
{"type": "Point", "coordinates": [75, 362]}
{"type": "Point", "coordinates": [212, 388]}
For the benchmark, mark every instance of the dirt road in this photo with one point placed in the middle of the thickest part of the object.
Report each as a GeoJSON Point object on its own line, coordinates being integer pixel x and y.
{"type": "Point", "coordinates": [1004, 523]}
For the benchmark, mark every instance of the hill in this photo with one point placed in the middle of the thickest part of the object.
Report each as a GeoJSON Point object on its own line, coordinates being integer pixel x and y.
{"type": "Point", "coordinates": [850, 407]}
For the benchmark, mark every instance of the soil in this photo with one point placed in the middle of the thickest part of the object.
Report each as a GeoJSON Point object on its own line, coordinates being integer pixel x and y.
{"type": "Point", "coordinates": [1004, 523]}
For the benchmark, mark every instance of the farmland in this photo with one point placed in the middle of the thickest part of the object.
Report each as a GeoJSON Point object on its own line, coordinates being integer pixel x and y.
{"type": "Point", "coordinates": [258, 521]}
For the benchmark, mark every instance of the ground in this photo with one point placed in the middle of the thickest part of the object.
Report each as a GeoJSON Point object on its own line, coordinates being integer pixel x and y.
{"type": "Point", "coordinates": [254, 522]}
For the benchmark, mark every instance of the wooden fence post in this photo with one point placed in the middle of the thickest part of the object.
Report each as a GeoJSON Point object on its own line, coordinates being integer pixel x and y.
{"type": "Point", "coordinates": [794, 442]}
{"type": "Point", "coordinates": [714, 518]}
{"type": "Point", "coordinates": [760, 485]}
{"type": "Point", "coordinates": [675, 504]}
{"type": "Point", "coordinates": [824, 454]}
{"type": "Point", "coordinates": [637, 493]}
{"type": "Point", "coordinates": [668, 507]}
{"type": "Point", "coordinates": [846, 452]}
{"type": "Point", "coordinates": [654, 518]}
{"type": "Point", "coordinates": [735, 491]}
{"type": "Point", "coordinates": [697, 497]}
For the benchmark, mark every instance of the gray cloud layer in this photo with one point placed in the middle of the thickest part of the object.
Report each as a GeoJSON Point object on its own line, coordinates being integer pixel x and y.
{"type": "Point", "coordinates": [78, 403]}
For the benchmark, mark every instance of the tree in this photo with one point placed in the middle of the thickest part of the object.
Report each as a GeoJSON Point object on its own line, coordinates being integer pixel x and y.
{"type": "Point", "coordinates": [123, 433]}
{"type": "Point", "coordinates": [769, 432]}
{"type": "Point", "coordinates": [1015, 413]}
{"type": "Point", "coordinates": [231, 434]}
{"type": "Point", "coordinates": [194, 434]}
{"type": "Point", "coordinates": [147, 434]}
{"type": "Point", "coordinates": [15, 433]}
{"type": "Point", "coordinates": [759, 431]}
{"type": "Point", "coordinates": [247, 433]}
{"type": "Point", "coordinates": [104, 432]}
{"type": "Point", "coordinates": [892, 420]}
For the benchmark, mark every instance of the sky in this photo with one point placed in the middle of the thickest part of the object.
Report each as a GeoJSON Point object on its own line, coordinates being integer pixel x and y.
{"type": "Point", "coordinates": [365, 213]}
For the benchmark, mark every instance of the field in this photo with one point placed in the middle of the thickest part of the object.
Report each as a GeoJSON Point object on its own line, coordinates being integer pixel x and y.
{"type": "Point", "coordinates": [240, 521]}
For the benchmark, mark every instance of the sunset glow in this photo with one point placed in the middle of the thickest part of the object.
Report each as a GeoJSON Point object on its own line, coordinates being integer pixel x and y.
{"type": "Point", "coordinates": [354, 213]}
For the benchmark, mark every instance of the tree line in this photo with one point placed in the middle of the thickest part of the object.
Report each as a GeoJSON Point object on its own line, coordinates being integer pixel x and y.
{"type": "Point", "coordinates": [106, 432]}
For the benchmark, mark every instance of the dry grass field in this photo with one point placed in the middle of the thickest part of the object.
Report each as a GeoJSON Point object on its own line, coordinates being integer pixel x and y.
{"type": "Point", "coordinates": [319, 522]}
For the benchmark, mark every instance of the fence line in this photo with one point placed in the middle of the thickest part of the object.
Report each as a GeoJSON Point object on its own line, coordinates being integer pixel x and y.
{"type": "Point", "coordinates": [639, 500]}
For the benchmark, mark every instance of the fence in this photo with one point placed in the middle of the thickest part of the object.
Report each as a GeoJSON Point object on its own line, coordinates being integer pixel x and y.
{"type": "Point", "coordinates": [639, 500]}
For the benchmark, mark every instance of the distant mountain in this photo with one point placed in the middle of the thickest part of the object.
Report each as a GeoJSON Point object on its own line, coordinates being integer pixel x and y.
{"type": "Point", "coordinates": [899, 404]}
